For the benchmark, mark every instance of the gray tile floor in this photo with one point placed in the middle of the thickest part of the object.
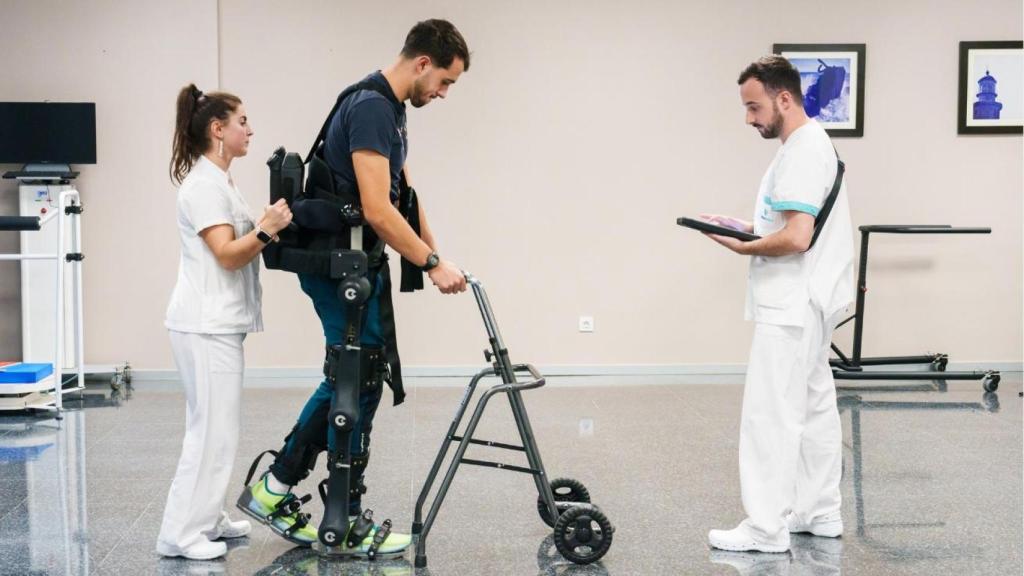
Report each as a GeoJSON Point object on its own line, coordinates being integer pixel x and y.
{"type": "Point", "coordinates": [932, 482]}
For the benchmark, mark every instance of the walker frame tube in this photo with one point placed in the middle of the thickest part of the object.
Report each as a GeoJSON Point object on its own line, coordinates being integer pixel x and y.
{"type": "Point", "coordinates": [507, 371]}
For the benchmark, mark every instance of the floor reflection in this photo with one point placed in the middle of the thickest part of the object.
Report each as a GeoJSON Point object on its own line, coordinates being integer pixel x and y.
{"type": "Point", "coordinates": [550, 562]}
{"type": "Point", "coordinates": [856, 405]}
{"type": "Point", "coordinates": [306, 561]}
{"type": "Point", "coordinates": [42, 463]}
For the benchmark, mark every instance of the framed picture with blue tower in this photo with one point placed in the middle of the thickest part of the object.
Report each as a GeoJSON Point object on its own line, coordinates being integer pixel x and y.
{"type": "Point", "coordinates": [991, 95]}
{"type": "Point", "coordinates": [832, 80]}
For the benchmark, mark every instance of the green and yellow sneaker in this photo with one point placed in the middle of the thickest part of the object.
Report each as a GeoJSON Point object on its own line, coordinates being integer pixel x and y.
{"type": "Point", "coordinates": [379, 543]}
{"type": "Point", "coordinates": [394, 543]}
{"type": "Point", "coordinates": [281, 512]}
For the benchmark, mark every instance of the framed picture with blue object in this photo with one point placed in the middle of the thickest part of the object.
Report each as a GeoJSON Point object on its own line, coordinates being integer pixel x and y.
{"type": "Point", "coordinates": [832, 80]}
{"type": "Point", "coordinates": [991, 95]}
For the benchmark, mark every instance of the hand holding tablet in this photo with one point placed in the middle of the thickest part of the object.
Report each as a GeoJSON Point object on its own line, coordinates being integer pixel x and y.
{"type": "Point", "coordinates": [722, 226]}
{"type": "Point", "coordinates": [728, 222]}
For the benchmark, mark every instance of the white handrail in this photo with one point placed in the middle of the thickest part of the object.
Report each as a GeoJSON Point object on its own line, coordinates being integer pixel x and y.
{"type": "Point", "coordinates": [27, 256]}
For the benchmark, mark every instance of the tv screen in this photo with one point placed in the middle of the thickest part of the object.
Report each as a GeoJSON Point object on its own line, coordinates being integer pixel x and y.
{"type": "Point", "coordinates": [47, 133]}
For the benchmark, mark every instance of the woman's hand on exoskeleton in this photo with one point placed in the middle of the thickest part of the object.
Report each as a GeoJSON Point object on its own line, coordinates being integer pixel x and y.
{"type": "Point", "coordinates": [276, 217]}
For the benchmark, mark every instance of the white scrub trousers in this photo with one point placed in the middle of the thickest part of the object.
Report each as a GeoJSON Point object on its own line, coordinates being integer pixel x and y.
{"type": "Point", "coordinates": [211, 367]}
{"type": "Point", "coordinates": [790, 432]}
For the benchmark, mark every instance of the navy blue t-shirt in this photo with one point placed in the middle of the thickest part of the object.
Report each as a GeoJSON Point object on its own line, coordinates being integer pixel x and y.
{"type": "Point", "coordinates": [367, 120]}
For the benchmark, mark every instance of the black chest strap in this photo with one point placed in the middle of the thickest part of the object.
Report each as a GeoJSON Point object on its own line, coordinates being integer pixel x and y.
{"type": "Point", "coordinates": [361, 85]}
{"type": "Point", "coordinates": [830, 200]}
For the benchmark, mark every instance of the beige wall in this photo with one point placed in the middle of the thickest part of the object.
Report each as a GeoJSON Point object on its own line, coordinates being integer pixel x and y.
{"type": "Point", "coordinates": [129, 58]}
{"type": "Point", "coordinates": [553, 171]}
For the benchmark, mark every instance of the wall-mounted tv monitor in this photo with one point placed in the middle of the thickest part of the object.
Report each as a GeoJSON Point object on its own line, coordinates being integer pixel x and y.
{"type": "Point", "coordinates": [47, 133]}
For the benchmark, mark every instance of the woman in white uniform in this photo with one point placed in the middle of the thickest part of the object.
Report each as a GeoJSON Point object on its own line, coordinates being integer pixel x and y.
{"type": "Point", "coordinates": [215, 303]}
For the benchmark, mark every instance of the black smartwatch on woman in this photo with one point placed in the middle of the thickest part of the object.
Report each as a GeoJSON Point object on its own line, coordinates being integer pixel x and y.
{"type": "Point", "coordinates": [262, 235]}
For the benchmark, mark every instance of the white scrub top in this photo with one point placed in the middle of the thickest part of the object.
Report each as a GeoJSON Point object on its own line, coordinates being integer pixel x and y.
{"type": "Point", "coordinates": [800, 178]}
{"type": "Point", "coordinates": [209, 298]}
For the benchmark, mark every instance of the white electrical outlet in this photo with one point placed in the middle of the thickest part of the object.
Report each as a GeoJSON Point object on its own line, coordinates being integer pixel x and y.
{"type": "Point", "coordinates": [586, 427]}
{"type": "Point", "coordinates": [586, 323]}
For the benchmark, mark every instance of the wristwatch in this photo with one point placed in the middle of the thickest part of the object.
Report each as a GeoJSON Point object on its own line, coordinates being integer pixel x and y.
{"type": "Point", "coordinates": [432, 261]}
{"type": "Point", "coordinates": [263, 236]}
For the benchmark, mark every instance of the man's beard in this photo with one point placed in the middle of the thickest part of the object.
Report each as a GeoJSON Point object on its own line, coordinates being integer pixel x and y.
{"type": "Point", "coordinates": [773, 129]}
{"type": "Point", "coordinates": [418, 98]}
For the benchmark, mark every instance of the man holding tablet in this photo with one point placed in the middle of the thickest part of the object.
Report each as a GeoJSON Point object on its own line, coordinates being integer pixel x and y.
{"type": "Point", "coordinates": [790, 433]}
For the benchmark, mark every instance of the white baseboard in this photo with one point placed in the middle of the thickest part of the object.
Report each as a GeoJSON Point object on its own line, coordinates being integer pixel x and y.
{"type": "Point", "coordinates": [292, 372]}
{"type": "Point", "coordinates": [686, 372]}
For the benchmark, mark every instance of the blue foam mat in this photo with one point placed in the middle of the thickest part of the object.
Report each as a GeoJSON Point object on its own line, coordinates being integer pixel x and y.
{"type": "Point", "coordinates": [23, 373]}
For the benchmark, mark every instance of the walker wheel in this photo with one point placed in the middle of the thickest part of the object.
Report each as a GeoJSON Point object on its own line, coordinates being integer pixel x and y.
{"type": "Point", "coordinates": [939, 364]}
{"type": "Point", "coordinates": [566, 491]}
{"type": "Point", "coordinates": [583, 534]}
{"type": "Point", "coordinates": [990, 383]}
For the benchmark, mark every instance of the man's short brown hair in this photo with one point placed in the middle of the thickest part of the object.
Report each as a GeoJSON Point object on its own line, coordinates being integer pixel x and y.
{"type": "Point", "coordinates": [438, 39]}
{"type": "Point", "coordinates": [776, 74]}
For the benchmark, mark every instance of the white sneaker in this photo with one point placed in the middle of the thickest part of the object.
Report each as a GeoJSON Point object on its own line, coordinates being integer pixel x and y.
{"type": "Point", "coordinates": [202, 550]}
{"type": "Point", "coordinates": [830, 525]}
{"type": "Point", "coordinates": [739, 539]}
{"type": "Point", "coordinates": [229, 528]}
{"type": "Point", "coordinates": [753, 563]}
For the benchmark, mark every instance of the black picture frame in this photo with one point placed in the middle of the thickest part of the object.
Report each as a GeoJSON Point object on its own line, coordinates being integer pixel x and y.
{"type": "Point", "coordinates": [856, 56]}
{"type": "Point", "coordinates": [966, 122]}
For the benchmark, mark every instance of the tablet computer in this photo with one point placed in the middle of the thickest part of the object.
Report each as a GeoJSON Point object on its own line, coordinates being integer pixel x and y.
{"type": "Point", "coordinates": [705, 226]}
